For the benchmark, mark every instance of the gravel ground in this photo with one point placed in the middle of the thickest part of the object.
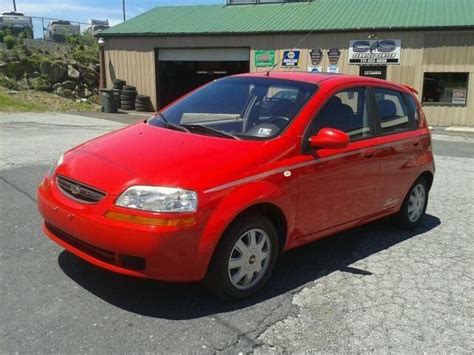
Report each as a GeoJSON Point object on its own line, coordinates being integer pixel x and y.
{"type": "Point", "coordinates": [372, 289]}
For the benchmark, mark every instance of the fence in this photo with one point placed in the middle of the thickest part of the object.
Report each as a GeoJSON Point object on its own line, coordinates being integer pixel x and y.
{"type": "Point", "coordinates": [41, 23]}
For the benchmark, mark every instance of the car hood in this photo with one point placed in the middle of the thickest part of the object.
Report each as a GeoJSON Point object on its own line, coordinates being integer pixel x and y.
{"type": "Point", "coordinates": [148, 155]}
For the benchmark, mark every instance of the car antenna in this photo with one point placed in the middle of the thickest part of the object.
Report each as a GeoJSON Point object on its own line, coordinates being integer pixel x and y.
{"type": "Point", "coordinates": [294, 47]}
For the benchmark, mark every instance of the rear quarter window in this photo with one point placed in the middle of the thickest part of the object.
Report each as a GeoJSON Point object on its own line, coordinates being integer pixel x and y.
{"type": "Point", "coordinates": [413, 109]}
{"type": "Point", "coordinates": [392, 111]}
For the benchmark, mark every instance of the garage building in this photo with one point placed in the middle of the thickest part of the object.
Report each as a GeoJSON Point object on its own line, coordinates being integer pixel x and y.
{"type": "Point", "coordinates": [427, 44]}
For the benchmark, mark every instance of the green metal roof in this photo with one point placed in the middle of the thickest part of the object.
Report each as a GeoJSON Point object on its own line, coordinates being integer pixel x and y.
{"type": "Point", "coordinates": [318, 15]}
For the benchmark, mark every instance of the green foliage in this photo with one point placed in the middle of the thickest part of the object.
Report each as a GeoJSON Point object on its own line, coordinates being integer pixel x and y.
{"type": "Point", "coordinates": [2, 36]}
{"type": "Point", "coordinates": [9, 41]}
{"type": "Point", "coordinates": [8, 83]}
{"type": "Point", "coordinates": [21, 37]}
{"type": "Point", "coordinates": [34, 101]}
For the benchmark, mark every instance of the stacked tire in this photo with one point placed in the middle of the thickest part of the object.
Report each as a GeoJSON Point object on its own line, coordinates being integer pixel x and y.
{"type": "Point", "coordinates": [127, 97]}
{"type": "Point", "coordinates": [143, 103]}
{"type": "Point", "coordinates": [118, 84]}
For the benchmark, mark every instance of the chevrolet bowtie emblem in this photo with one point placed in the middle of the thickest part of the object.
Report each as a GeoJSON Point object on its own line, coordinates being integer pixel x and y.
{"type": "Point", "coordinates": [75, 190]}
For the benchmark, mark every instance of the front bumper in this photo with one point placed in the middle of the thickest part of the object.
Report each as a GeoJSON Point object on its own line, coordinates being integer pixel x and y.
{"type": "Point", "coordinates": [162, 253]}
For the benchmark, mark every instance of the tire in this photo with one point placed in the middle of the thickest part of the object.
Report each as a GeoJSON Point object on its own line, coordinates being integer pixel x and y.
{"type": "Point", "coordinates": [220, 273]}
{"type": "Point", "coordinates": [127, 102]}
{"type": "Point", "coordinates": [413, 208]}
{"type": "Point", "coordinates": [119, 82]}
{"type": "Point", "coordinates": [128, 108]}
{"type": "Point", "coordinates": [129, 88]}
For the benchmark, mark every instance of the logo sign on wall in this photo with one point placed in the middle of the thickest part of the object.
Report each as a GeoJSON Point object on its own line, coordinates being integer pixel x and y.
{"type": "Point", "coordinates": [316, 56]}
{"type": "Point", "coordinates": [264, 58]}
{"type": "Point", "coordinates": [459, 97]}
{"type": "Point", "coordinates": [315, 69]}
{"type": "Point", "coordinates": [333, 68]}
{"type": "Point", "coordinates": [291, 58]}
{"type": "Point", "coordinates": [333, 55]}
{"type": "Point", "coordinates": [375, 52]}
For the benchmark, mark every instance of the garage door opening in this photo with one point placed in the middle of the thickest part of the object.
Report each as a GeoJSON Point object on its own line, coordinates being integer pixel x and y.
{"type": "Point", "coordinates": [182, 70]}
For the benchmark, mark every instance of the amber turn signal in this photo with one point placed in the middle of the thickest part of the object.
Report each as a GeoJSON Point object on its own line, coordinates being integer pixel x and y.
{"type": "Point", "coordinates": [151, 221]}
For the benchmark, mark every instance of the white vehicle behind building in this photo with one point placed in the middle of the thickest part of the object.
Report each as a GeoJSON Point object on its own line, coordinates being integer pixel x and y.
{"type": "Point", "coordinates": [97, 26]}
{"type": "Point", "coordinates": [59, 30]}
{"type": "Point", "coordinates": [16, 23]}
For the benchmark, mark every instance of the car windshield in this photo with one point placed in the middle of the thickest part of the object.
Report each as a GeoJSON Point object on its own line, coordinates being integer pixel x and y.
{"type": "Point", "coordinates": [238, 107]}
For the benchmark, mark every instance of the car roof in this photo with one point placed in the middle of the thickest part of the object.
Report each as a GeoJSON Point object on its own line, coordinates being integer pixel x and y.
{"type": "Point", "coordinates": [326, 78]}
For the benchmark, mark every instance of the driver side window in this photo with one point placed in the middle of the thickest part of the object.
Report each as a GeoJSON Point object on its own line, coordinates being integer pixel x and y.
{"type": "Point", "coordinates": [346, 111]}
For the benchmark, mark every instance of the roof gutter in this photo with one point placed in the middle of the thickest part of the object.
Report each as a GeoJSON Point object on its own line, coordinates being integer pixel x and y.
{"type": "Point", "coordinates": [355, 30]}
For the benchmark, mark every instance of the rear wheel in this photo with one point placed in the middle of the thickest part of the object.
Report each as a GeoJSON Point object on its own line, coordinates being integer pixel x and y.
{"type": "Point", "coordinates": [244, 259]}
{"type": "Point", "coordinates": [413, 209]}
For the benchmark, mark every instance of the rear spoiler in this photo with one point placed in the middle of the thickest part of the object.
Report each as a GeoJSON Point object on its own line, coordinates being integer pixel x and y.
{"type": "Point", "coordinates": [411, 88]}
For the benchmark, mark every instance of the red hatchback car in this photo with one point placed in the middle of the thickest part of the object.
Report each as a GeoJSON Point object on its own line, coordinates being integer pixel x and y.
{"type": "Point", "coordinates": [221, 181]}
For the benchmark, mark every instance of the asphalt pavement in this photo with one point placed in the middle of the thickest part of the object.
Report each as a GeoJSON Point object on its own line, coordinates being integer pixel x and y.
{"type": "Point", "coordinates": [373, 289]}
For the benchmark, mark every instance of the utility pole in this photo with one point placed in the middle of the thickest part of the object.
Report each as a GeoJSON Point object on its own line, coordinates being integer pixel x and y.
{"type": "Point", "coordinates": [14, 5]}
{"type": "Point", "coordinates": [123, 6]}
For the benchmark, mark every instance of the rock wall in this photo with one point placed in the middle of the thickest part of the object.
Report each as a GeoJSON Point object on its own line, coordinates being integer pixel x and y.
{"type": "Point", "coordinates": [67, 70]}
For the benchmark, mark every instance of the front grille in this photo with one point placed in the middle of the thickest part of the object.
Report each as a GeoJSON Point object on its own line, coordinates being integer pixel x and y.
{"type": "Point", "coordinates": [78, 191]}
{"type": "Point", "coordinates": [126, 261]}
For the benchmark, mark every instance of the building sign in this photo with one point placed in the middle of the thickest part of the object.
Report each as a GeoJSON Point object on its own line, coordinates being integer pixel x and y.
{"type": "Point", "coordinates": [374, 52]}
{"type": "Point", "coordinates": [333, 55]}
{"type": "Point", "coordinates": [459, 97]}
{"type": "Point", "coordinates": [316, 56]}
{"type": "Point", "coordinates": [291, 58]}
{"type": "Point", "coordinates": [315, 69]}
{"type": "Point", "coordinates": [264, 58]}
{"type": "Point", "coordinates": [333, 68]}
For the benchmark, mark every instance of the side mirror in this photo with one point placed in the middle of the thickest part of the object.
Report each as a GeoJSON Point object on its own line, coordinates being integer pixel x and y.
{"type": "Point", "coordinates": [329, 138]}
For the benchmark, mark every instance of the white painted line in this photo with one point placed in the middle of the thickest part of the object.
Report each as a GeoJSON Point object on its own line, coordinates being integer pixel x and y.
{"type": "Point", "coordinates": [460, 129]}
{"type": "Point", "coordinates": [446, 138]}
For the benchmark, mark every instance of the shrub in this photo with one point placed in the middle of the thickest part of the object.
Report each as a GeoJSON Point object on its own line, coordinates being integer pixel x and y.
{"type": "Point", "coordinates": [9, 41]}
{"type": "Point", "coordinates": [2, 36]}
{"type": "Point", "coordinates": [21, 37]}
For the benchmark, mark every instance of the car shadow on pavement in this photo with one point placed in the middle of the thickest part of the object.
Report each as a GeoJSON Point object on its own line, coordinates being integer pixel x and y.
{"type": "Point", "coordinates": [294, 269]}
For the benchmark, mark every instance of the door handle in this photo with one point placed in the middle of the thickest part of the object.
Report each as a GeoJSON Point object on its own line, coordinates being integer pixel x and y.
{"type": "Point", "coordinates": [416, 143]}
{"type": "Point", "coordinates": [369, 153]}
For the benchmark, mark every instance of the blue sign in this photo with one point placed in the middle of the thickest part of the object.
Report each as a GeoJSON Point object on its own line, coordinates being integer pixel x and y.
{"type": "Point", "coordinates": [291, 58]}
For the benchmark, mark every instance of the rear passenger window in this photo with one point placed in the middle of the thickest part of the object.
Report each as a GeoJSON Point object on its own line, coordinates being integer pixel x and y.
{"type": "Point", "coordinates": [347, 112]}
{"type": "Point", "coordinates": [392, 111]}
{"type": "Point", "coordinates": [412, 109]}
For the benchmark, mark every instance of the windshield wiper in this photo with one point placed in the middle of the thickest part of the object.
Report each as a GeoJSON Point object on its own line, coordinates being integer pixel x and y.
{"type": "Point", "coordinates": [170, 125]}
{"type": "Point", "coordinates": [194, 126]}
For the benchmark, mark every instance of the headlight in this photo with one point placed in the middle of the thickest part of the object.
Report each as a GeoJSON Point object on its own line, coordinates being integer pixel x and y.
{"type": "Point", "coordinates": [60, 161]}
{"type": "Point", "coordinates": [158, 199]}
{"type": "Point", "coordinates": [55, 165]}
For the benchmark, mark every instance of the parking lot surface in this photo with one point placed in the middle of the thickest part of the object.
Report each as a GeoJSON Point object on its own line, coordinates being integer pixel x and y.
{"type": "Point", "coordinates": [372, 289]}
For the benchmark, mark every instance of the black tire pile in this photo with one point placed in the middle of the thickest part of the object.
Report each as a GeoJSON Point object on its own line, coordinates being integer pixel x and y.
{"type": "Point", "coordinates": [118, 84]}
{"type": "Point", "coordinates": [143, 103]}
{"type": "Point", "coordinates": [127, 97]}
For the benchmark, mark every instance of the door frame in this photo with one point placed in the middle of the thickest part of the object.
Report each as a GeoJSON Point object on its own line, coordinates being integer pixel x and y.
{"type": "Point", "coordinates": [157, 63]}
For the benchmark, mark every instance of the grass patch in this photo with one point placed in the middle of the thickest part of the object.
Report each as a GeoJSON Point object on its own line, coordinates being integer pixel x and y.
{"type": "Point", "coordinates": [35, 101]}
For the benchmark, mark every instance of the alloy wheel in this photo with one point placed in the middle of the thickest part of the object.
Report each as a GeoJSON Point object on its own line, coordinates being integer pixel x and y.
{"type": "Point", "coordinates": [416, 202]}
{"type": "Point", "coordinates": [249, 259]}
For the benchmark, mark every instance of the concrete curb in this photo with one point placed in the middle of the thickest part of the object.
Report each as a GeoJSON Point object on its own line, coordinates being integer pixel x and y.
{"type": "Point", "coordinates": [460, 129]}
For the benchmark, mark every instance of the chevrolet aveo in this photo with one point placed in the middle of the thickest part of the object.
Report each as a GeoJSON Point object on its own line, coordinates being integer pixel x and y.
{"type": "Point", "coordinates": [219, 183]}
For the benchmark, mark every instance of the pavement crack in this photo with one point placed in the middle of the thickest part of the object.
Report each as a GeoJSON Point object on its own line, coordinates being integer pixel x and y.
{"type": "Point", "coordinates": [20, 190]}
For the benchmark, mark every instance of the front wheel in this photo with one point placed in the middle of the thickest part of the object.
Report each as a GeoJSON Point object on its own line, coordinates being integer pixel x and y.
{"type": "Point", "coordinates": [244, 259]}
{"type": "Point", "coordinates": [413, 209]}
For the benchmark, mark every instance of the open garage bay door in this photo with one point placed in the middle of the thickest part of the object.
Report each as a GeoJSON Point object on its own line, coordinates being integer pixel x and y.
{"type": "Point", "coordinates": [182, 70]}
